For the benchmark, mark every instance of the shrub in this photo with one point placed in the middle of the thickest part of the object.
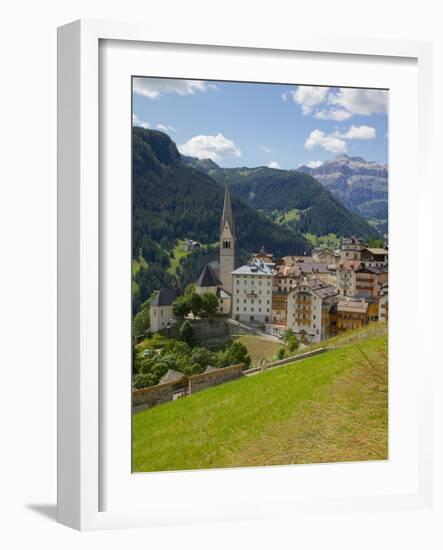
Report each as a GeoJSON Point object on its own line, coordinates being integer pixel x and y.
{"type": "Point", "coordinates": [237, 353]}
{"type": "Point", "coordinates": [186, 332]}
{"type": "Point", "coordinates": [143, 380]}
{"type": "Point", "coordinates": [281, 353]}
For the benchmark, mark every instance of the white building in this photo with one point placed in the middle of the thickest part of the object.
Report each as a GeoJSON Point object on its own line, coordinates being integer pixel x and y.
{"type": "Point", "coordinates": [252, 293]}
{"type": "Point", "coordinates": [160, 312]}
{"type": "Point", "coordinates": [309, 307]}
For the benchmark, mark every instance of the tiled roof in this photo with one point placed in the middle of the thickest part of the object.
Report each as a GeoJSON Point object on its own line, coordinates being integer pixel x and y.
{"type": "Point", "coordinates": [208, 278]}
{"type": "Point", "coordinates": [222, 293]}
{"type": "Point", "coordinates": [321, 289]}
{"type": "Point", "coordinates": [171, 376]}
{"type": "Point", "coordinates": [165, 297]}
{"type": "Point", "coordinates": [253, 269]}
{"type": "Point", "coordinates": [352, 306]}
{"type": "Point", "coordinates": [378, 251]}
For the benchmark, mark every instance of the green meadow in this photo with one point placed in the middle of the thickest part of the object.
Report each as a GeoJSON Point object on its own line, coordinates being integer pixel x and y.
{"type": "Point", "coordinates": [328, 408]}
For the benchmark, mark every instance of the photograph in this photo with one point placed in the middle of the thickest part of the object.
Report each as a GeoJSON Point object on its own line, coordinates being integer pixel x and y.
{"type": "Point", "coordinates": [259, 276]}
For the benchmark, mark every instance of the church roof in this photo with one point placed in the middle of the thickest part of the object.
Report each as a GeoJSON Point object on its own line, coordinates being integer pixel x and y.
{"type": "Point", "coordinates": [227, 212]}
{"type": "Point", "coordinates": [165, 297]}
{"type": "Point", "coordinates": [208, 278]}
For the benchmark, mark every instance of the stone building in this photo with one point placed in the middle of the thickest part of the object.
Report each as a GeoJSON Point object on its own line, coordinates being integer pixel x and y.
{"type": "Point", "coordinates": [218, 280]}
{"type": "Point", "coordinates": [227, 244]}
{"type": "Point", "coordinates": [351, 249]}
{"type": "Point", "coordinates": [160, 312]}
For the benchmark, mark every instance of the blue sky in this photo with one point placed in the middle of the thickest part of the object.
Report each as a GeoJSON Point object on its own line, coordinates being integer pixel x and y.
{"type": "Point", "coordinates": [277, 125]}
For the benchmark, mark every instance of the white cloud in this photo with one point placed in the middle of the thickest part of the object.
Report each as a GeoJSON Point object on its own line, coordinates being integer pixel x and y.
{"type": "Point", "coordinates": [265, 149]}
{"type": "Point", "coordinates": [338, 104]}
{"type": "Point", "coordinates": [358, 132]}
{"type": "Point", "coordinates": [166, 128]}
{"type": "Point", "coordinates": [137, 122]}
{"type": "Point", "coordinates": [329, 143]}
{"type": "Point", "coordinates": [154, 87]}
{"type": "Point", "coordinates": [210, 147]}
{"type": "Point", "coordinates": [274, 164]}
{"type": "Point", "coordinates": [309, 96]}
{"type": "Point", "coordinates": [332, 114]}
{"type": "Point", "coordinates": [360, 101]}
{"type": "Point", "coordinates": [314, 163]}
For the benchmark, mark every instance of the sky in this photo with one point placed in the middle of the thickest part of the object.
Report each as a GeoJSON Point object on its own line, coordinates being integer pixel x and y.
{"type": "Point", "coordinates": [258, 124]}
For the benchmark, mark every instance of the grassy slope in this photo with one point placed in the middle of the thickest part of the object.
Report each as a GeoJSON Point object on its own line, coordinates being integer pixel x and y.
{"type": "Point", "coordinates": [259, 348]}
{"type": "Point", "coordinates": [178, 254]}
{"type": "Point", "coordinates": [331, 407]}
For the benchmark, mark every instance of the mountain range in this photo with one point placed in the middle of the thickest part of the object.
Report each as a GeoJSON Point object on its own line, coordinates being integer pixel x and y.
{"type": "Point", "coordinates": [176, 197]}
{"type": "Point", "coordinates": [294, 197]}
{"type": "Point", "coordinates": [359, 184]}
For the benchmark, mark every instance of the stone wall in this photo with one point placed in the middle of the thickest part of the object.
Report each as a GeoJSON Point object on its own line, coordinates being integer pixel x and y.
{"type": "Point", "coordinates": [206, 329]}
{"type": "Point", "coordinates": [154, 395]}
{"type": "Point", "coordinates": [292, 359]}
{"type": "Point", "coordinates": [162, 393]}
{"type": "Point", "coordinates": [205, 380]}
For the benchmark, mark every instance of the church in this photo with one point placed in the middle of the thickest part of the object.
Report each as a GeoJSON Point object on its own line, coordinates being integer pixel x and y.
{"type": "Point", "coordinates": [216, 277]}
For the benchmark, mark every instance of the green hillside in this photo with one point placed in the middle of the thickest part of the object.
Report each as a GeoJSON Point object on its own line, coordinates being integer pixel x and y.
{"type": "Point", "coordinates": [173, 201]}
{"type": "Point", "coordinates": [331, 407]}
{"type": "Point", "coordinates": [283, 191]}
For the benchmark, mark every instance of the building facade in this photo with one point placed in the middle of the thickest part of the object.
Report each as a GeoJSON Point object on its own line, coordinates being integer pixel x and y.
{"type": "Point", "coordinates": [351, 249]}
{"type": "Point", "coordinates": [309, 308]}
{"type": "Point", "coordinates": [351, 314]}
{"type": "Point", "coordinates": [160, 311]}
{"type": "Point", "coordinates": [252, 293]}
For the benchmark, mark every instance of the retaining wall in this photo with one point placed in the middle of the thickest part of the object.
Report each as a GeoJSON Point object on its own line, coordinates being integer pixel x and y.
{"type": "Point", "coordinates": [198, 382]}
{"type": "Point", "coordinates": [155, 395]}
{"type": "Point", "coordinates": [292, 359]}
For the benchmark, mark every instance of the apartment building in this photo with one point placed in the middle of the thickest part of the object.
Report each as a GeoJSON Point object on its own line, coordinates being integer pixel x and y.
{"type": "Point", "coordinates": [252, 293]}
{"type": "Point", "coordinates": [309, 308]}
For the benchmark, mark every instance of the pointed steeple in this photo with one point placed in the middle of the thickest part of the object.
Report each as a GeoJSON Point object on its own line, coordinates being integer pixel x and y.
{"type": "Point", "coordinates": [227, 212]}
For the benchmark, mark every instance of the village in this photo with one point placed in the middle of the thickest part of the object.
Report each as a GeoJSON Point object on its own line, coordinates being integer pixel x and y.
{"type": "Point", "coordinates": [310, 298]}
{"type": "Point", "coordinates": [317, 296]}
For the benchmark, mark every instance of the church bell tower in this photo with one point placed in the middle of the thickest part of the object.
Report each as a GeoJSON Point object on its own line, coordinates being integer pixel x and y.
{"type": "Point", "coordinates": [227, 243]}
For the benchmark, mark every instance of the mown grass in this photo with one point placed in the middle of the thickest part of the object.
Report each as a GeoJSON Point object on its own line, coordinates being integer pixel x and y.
{"type": "Point", "coordinates": [156, 341]}
{"type": "Point", "coordinates": [259, 348]}
{"type": "Point", "coordinates": [331, 407]}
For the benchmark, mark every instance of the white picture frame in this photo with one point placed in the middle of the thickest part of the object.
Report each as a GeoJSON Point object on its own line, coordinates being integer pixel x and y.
{"type": "Point", "coordinates": [80, 206]}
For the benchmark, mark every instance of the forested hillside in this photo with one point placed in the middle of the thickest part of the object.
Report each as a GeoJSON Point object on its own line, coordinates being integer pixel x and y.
{"type": "Point", "coordinates": [276, 192]}
{"type": "Point", "coordinates": [172, 201]}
